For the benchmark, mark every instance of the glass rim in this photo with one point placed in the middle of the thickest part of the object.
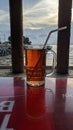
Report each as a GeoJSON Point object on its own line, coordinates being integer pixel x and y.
{"type": "Point", "coordinates": [33, 47]}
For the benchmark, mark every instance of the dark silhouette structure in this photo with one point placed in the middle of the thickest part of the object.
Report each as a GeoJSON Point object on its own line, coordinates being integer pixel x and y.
{"type": "Point", "coordinates": [64, 19]}
{"type": "Point", "coordinates": [16, 26]}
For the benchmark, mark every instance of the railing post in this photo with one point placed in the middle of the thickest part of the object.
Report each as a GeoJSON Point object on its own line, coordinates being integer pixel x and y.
{"type": "Point", "coordinates": [16, 27]}
{"type": "Point", "coordinates": [64, 19]}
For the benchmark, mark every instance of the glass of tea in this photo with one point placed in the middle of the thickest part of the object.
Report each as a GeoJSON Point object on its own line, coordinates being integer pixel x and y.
{"type": "Point", "coordinates": [35, 62]}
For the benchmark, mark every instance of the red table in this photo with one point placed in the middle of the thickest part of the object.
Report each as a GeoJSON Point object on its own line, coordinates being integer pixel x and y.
{"type": "Point", "coordinates": [49, 107]}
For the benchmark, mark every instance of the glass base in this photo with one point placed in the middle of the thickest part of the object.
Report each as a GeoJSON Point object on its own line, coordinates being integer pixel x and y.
{"type": "Point", "coordinates": [35, 84]}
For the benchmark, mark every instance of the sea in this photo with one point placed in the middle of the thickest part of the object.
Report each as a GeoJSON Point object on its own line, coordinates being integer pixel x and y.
{"type": "Point", "coordinates": [6, 60]}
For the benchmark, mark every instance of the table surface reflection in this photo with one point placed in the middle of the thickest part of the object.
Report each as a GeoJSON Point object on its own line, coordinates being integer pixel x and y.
{"type": "Point", "coordinates": [49, 107]}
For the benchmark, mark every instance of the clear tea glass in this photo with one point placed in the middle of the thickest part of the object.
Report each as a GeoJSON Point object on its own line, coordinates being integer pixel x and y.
{"type": "Point", "coordinates": [35, 62]}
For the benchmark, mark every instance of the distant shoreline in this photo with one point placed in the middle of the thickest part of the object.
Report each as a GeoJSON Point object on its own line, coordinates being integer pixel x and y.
{"type": "Point", "coordinates": [6, 60]}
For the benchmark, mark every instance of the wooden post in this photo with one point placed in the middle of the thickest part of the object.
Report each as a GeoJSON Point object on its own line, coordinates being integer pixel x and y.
{"type": "Point", "coordinates": [16, 27]}
{"type": "Point", "coordinates": [64, 19]}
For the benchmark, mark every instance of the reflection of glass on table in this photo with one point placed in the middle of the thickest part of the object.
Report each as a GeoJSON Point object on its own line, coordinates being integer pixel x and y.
{"type": "Point", "coordinates": [37, 102]}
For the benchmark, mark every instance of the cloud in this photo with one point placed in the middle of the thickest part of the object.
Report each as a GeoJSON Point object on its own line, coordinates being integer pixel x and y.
{"type": "Point", "coordinates": [38, 14]}
{"type": "Point", "coordinates": [72, 15]}
{"type": "Point", "coordinates": [42, 13]}
{"type": "Point", "coordinates": [4, 20]}
{"type": "Point", "coordinates": [4, 15]}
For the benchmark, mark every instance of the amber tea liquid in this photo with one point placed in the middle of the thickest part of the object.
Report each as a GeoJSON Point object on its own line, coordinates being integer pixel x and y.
{"type": "Point", "coordinates": [35, 66]}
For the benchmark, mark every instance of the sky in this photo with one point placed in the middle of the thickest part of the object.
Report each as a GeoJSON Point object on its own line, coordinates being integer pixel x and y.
{"type": "Point", "coordinates": [38, 15]}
